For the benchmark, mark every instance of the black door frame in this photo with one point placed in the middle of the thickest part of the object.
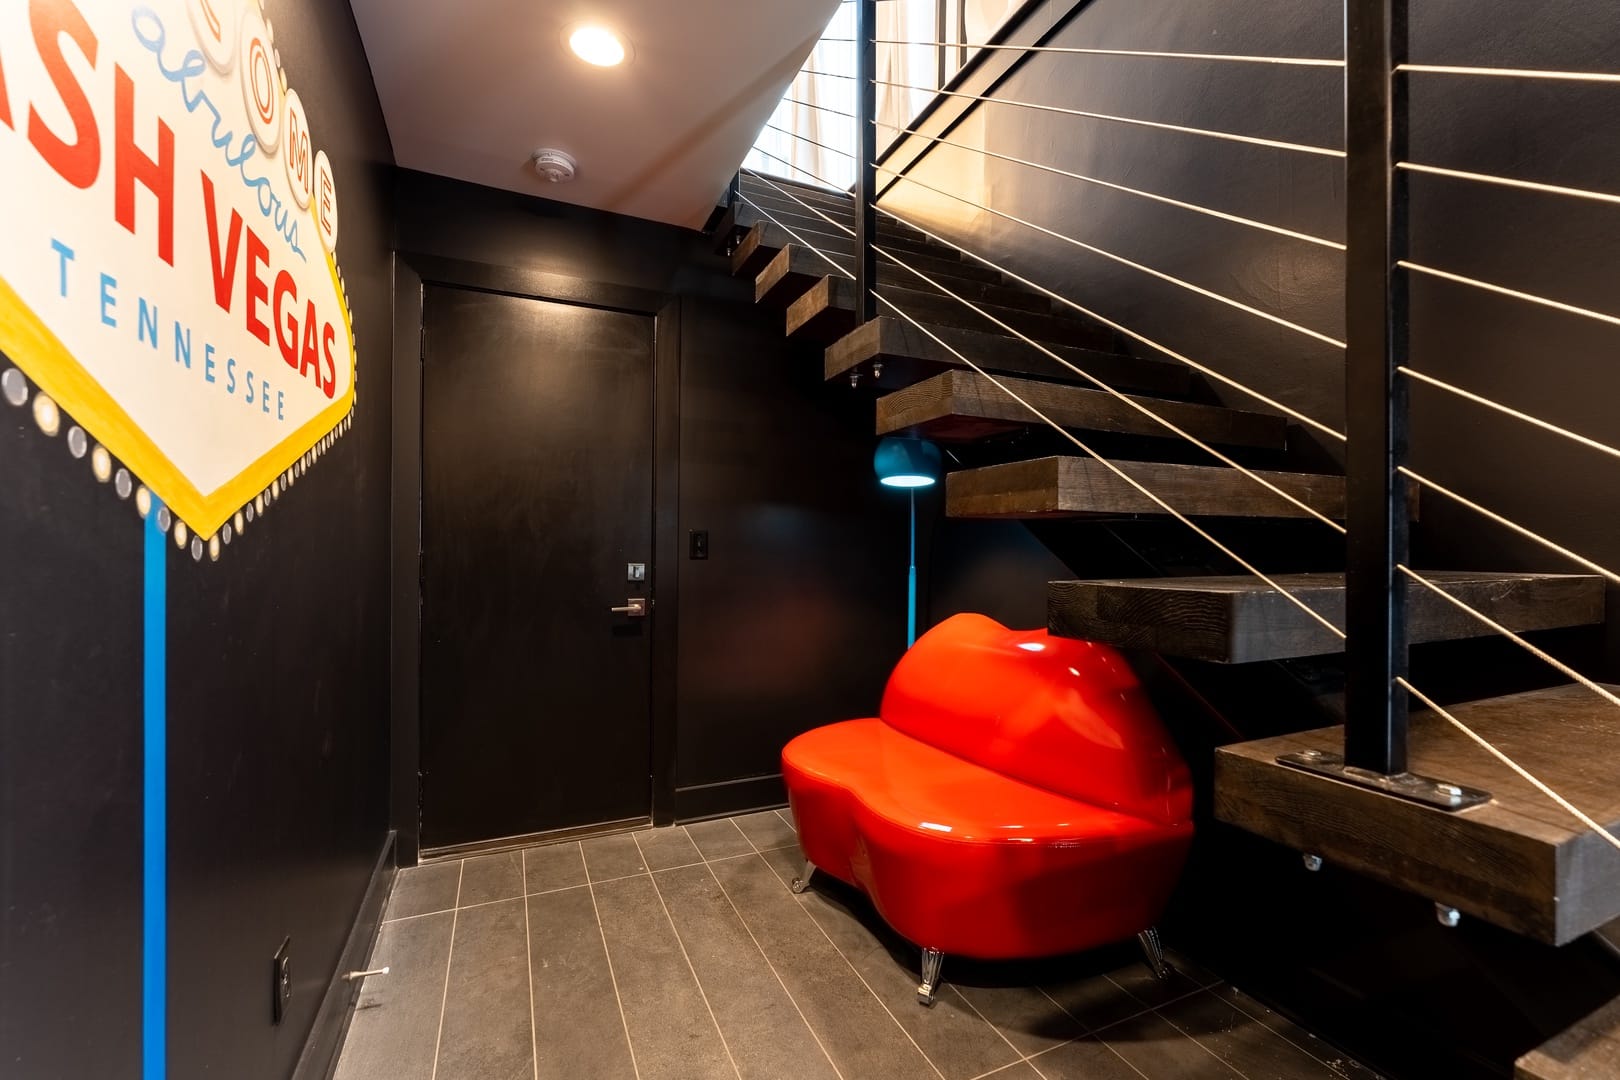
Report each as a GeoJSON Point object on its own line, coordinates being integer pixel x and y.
{"type": "Point", "coordinates": [413, 273]}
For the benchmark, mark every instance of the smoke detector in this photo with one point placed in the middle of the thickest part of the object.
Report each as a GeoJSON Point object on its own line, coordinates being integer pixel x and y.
{"type": "Point", "coordinates": [554, 165]}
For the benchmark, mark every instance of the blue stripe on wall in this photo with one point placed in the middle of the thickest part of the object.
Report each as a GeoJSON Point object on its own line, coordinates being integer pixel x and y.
{"type": "Point", "coordinates": [154, 860]}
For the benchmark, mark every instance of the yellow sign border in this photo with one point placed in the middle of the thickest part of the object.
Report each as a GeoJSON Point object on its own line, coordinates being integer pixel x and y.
{"type": "Point", "coordinates": [32, 346]}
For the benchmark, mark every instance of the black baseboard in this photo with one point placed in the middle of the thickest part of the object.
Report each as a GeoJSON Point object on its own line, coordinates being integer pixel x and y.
{"type": "Point", "coordinates": [319, 1058]}
{"type": "Point", "coordinates": [730, 797]}
{"type": "Point", "coordinates": [513, 843]}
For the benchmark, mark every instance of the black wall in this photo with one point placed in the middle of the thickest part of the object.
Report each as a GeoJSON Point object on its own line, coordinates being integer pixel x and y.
{"type": "Point", "coordinates": [277, 712]}
{"type": "Point", "coordinates": [1366, 964]}
{"type": "Point", "coordinates": [799, 612]}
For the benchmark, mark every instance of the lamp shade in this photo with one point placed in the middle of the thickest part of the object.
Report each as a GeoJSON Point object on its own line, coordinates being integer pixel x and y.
{"type": "Point", "coordinates": [907, 463]}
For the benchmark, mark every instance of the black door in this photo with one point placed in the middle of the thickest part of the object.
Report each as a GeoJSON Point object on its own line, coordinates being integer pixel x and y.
{"type": "Point", "coordinates": [537, 495]}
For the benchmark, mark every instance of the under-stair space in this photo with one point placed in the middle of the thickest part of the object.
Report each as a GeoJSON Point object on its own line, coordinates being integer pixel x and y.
{"type": "Point", "coordinates": [1519, 861]}
{"type": "Point", "coordinates": [1587, 1050]}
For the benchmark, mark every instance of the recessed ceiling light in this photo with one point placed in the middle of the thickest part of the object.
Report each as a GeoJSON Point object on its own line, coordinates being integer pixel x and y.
{"type": "Point", "coordinates": [597, 45]}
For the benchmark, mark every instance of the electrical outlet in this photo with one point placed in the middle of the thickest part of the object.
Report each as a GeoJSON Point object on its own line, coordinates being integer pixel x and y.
{"type": "Point", "coordinates": [281, 981]}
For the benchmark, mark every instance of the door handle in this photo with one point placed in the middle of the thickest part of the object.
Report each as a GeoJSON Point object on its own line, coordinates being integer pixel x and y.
{"type": "Point", "coordinates": [635, 607]}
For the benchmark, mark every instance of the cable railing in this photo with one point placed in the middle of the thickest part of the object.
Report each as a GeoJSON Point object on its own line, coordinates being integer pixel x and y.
{"type": "Point", "coordinates": [1375, 347]}
{"type": "Point", "coordinates": [1182, 283]}
{"type": "Point", "coordinates": [1073, 368]}
{"type": "Point", "coordinates": [812, 142]}
{"type": "Point", "coordinates": [1286, 61]}
{"type": "Point", "coordinates": [1181, 204]}
{"type": "Point", "coordinates": [1064, 432]}
{"type": "Point", "coordinates": [1135, 121]}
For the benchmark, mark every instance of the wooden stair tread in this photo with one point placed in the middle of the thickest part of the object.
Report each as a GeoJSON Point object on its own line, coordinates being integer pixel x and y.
{"type": "Point", "coordinates": [761, 243]}
{"type": "Point", "coordinates": [795, 269]}
{"type": "Point", "coordinates": [1587, 1050]}
{"type": "Point", "coordinates": [1237, 620]}
{"type": "Point", "coordinates": [961, 406]}
{"type": "Point", "coordinates": [826, 312]}
{"type": "Point", "coordinates": [1519, 862]}
{"type": "Point", "coordinates": [1067, 487]}
{"type": "Point", "coordinates": [826, 234]}
{"type": "Point", "coordinates": [908, 356]}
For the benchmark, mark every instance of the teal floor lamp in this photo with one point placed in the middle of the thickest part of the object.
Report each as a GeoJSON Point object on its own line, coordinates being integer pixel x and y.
{"type": "Point", "coordinates": [909, 464]}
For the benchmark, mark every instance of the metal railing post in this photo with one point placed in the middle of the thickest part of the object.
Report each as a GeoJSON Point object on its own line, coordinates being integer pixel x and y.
{"type": "Point", "coordinates": [866, 174]}
{"type": "Point", "coordinates": [1376, 329]}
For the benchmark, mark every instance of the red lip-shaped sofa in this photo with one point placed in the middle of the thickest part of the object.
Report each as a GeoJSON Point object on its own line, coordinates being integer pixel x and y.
{"type": "Point", "coordinates": [1017, 797]}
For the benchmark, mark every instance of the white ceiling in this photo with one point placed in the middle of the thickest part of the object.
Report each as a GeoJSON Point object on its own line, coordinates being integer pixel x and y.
{"type": "Point", "coordinates": [472, 87]}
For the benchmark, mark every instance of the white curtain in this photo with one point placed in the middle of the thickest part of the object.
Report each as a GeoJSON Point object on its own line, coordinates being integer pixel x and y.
{"type": "Point", "coordinates": [811, 136]}
{"type": "Point", "coordinates": [913, 70]}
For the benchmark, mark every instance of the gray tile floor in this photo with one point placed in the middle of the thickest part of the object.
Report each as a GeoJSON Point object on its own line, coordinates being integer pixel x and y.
{"type": "Point", "coordinates": [680, 954]}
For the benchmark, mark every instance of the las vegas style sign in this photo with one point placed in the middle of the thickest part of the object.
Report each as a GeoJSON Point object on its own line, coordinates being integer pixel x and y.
{"type": "Point", "coordinates": [168, 243]}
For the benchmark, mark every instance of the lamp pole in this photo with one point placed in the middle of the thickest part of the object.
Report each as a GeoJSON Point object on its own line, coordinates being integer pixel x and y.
{"type": "Point", "coordinates": [911, 580]}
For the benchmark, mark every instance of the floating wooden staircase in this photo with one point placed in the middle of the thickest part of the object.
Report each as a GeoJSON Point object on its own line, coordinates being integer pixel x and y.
{"type": "Point", "coordinates": [1519, 861]}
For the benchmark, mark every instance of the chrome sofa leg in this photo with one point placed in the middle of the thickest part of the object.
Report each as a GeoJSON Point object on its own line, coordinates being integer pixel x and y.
{"type": "Point", "coordinates": [932, 961]}
{"type": "Point", "coordinates": [1153, 950]}
{"type": "Point", "coordinates": [802, 882]}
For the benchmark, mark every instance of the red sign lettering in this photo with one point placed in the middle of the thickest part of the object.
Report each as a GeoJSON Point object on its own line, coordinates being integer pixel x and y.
{"type": "Point", "coordinates": [77, 162]}
{"type": "Point", "coordinates": [130, 164]}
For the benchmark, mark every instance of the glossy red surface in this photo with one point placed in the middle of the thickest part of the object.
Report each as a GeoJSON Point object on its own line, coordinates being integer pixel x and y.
{"type": "Point", "coordinates": [1017, 797]}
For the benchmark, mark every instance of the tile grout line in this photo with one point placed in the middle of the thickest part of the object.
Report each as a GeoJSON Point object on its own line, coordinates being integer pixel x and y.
{"type": "Point", "coordinates": [999, 1069]}
{"type": "Point", "coordinates": [1144, 1010]}
{"type": "Point", "coordinates": [601, 932]}
{"type": "Point", "coordinates": [1307, 1051]}
{"type": "Point", "coordinates": [1021, 1055]}
{"type": "Point", "coordinates": [581, 885]}
{"type": "Point", "coordinates": [1090, 1032]}
{"type": "Point", "coordinates": [528, 964]}
{"type": "Point", "coordinates": [1185, 1034]}
{"type": "Point", "coordinates": [1319, 1059]}
{"type": "Point", "coordinates": [881, 1003]}
{"type": "Point", "coordinates": [688, 958]}
{"type": "Point", "coordinates": [1087, 1031]}
{"type": "Point", "coordinates": [1085, 1028]}
{"type": "Point", "coordinates": [449, 954]}
{"type": "Point", "coordinates": [1106, 1045]}
{"type": "Point", "coordinates": [735, 910]}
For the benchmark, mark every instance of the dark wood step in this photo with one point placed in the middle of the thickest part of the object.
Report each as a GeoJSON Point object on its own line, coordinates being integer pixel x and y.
{"type": "Point", "coordinates": [1520, 861]}
{"type": "Point", "coordinates": [795, 269]}
{"type": "Point", "coordinates": [826, 312]}
{"type": "Point", "coordinates": [736, 222]}
{"type": "Point", "coordinates": [1071, 487]}
{"type": "Point", "coordinates": [1239, 620]}
{"type": "Point", "coordinates": [761, 243]}
{"type": "Point", "coordinates": [963, 406]}
{"type": "Point", "coordinates": [1587, 1050]}
{"type": "Point", "coordinates": [908, 355]}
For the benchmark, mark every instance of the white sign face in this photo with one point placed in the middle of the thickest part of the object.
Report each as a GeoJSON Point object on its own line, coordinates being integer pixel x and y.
{"type": "Point", "coordinates": [168, 234]}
